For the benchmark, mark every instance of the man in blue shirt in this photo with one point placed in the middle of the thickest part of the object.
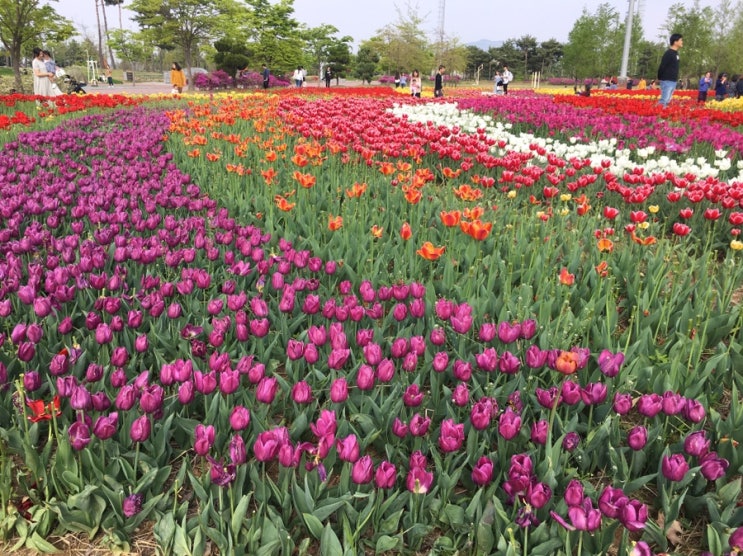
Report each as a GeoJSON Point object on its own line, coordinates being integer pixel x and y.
{"type": "Point", "coordinates": [668, 71]}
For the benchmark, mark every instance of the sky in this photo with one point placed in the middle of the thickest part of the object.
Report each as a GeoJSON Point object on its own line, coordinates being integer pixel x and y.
{"type": "Point", "coordinates": [467, 20]}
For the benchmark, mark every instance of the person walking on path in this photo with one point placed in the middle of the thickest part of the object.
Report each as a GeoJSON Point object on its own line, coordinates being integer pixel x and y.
{"type": "Point", "coordinates": [506, 77]}
{"type": "Point", "coordinates": [668, 70]}
{"type": "Point", "coordinates": [415, 84]}
{"type": "Point", "coordinates": [328, 76]}
{"type": "Point", "coordinates": [266, 76]}
{"type": "Point", "coordinates": [705, 82]}
{"type": "Point", "coordinates": [438, 84]}
{"type": "Point", "coordinates": [177, 78]}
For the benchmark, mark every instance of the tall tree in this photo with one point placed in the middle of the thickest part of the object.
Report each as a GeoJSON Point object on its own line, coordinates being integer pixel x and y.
{"type": "Point", "coordinates": [323, 47]}
{"type": "Point", "coordinates": [403, 45]}
{"type": "Point", "coordinates": [365, 67]}
{"type": "Point", "coordinates": [273, 35]}
{"type": "Point", "coordinates": [595, 43]}
{"type": "Point", "coordinates": [548, 56]}
{"type": "Point", "coordinates": [527, 45]}
{"type": "Point", "coordinates": [185, 23]}
{"type": "Point", "coordinates": [128, 46]}
{"type": "Point", "coordinates": [25, 22]}
{"type": "Point", "coordinates": [697, 25]}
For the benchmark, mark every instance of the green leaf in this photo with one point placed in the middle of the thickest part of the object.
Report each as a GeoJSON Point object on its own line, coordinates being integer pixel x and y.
{"type": "Point", "coordinates": [239, 514]}
{"type": "Point", "coordinates": [452, 515]}
{"type": "Point", "coordinates": [385, 543]}
{"type": "Point", "coordinates": [314, 525]}
{"type": "Point", "coordinates": [35, 542]}
{"type": "Point", "coordinates": [323, 511]}
{"type": "Point", "coordinates": [729, 493]}
{"type": "Point", "coordinates": [164, 530]}
{"type": "Point", "coordinates": [329, 543]}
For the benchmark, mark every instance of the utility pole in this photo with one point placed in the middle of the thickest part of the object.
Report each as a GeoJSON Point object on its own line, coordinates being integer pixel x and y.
{"type": "Point", "coordinates": [627, 40]}
{"type": "Point", "coordinates": [440, 31]}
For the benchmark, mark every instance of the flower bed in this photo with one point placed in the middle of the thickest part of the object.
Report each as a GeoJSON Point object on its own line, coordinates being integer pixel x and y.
{"type": "Point", "coordinates": [268, 323]}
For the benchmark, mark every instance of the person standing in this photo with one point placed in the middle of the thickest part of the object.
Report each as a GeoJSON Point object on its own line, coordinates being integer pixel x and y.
{"type": "Point", "coordinates": [328, 75]}
{"type": "Point", "coordinates": [42, 77]}
{"type": "Point", "coordinates": [177, 78]}
{"type": "Point", "coordinates": [721, 87]}
{"type": "Point", "coordinates": [438, 84]}
{"type": "Point", "coordinates": [506, 77]}
{"type": "Point", "coordinates": [415, 84]}
{"type": "Point", "coordinates": [109, 77]}
{"type": "Point", "coordinates": [266, 76]}
{"type": "Point", "coordinates": [297, 77]}
{"type": "Point", "coordinates": [705, 82]}
{"type": "Point", "coordinates": [668, 70]}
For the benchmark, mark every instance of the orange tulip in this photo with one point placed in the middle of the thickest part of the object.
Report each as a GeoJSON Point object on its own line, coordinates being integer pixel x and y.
{"type": "Point", "coordinates": [404, 166]}
{"type": "Point", "coordinates": [335, 222]}
{"type": "Point", "coordinates": [473, 213]}
{"type": "Point", "coordinates": [449, 173]}
{"type": "Point", "coordinates": [650, 240]}
{"type": "Point", "coordinates": [451, 218]}
{"type": "Point", "coordinates": [405, 231]}
{"type": "Point", "coordinates": [271, 156]}
{"type": "Point", "coordinates": [468, 193]}
{"type": "Point", "coordinates": [606, 245]}
{"type": "Point", "coordinates": [268, 175]}
{"type": "Point", "coordinates": [429, 252]}
{"type": "Point", "coordinates": [196, 153]}
{"type": "Point", "coordinates": [567, 362]}
{"type": "Point", "coordinates": [357, 190]}
{"type": "Point", "coordinates": [377, 231]}
{"type": "Point", "coordinates": [413, 195]}
{"type": "Point", "coordinates": [387, 168]}
{"type": "Point", "coordinates": [602, 269]}
{"type": "Point", "coordinates": [283, 204]}
{"type": "Point", "coordinates": [566, 279]}
{"type": "Point", "coordinates": [476, 229]}
{"type": "Point", "coordinates": [300, 160]}
{"type": "Point", "coordinates": [583, 208]}
{"type": "Point", "coordinates": [305, 180]}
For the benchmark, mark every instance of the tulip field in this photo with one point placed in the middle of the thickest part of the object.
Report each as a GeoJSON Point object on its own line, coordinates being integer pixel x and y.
{"type": "Point", "coordinates": [344, 322]}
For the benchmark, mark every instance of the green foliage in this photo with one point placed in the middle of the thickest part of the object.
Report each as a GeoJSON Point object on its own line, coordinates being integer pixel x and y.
{"type": "Point", "coordinates": [230, 56]}
{"type": "Point", "coordinates": [365, 67]}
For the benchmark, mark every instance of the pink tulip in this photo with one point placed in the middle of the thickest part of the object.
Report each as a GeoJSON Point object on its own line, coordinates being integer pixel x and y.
{"type": "Point", "coordinates": [140, 429]}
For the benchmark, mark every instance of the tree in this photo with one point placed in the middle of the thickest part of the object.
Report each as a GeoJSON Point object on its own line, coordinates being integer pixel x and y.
{"type": "Point", "coordinates": [595, 43]}
{"type": "Point", "coordinates": [548, 56]}
{"type": "Point", "coordinates": [403, 46]}
{"type": "Point", "coordinates": [273, 35]}
{"type": "Point", "coordinates": [128, 46]}
{"type": "Point", "coordinates": [230, 55]}
{"type": "Point", "coordinates": [477, 57]}
{"type": "Point", "coordinates": [25, 22]}
{"type": "Point", "coordinates": [323, 47]}
{"type": "Point", "coordinates": [185, 23]}
{"type": "Point", "coordinates": [698, 27]}
{"type": "Point", "coordinates": [366, 63]}
{"type": "Point", "coordinates": [527, 45]}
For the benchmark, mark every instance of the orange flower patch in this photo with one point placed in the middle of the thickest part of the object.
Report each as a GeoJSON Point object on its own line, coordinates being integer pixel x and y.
{"type": "Point", "coordinates": [412, 195]}
{"type": "Point", "coordinates": [566, 279]}
{"type": "Point", "coordinates": [605, 245]}
{"type": "Point", "coordinates": [196, 153]}
{"type": "Point", "coordinates": [387, 168]}
{"type": "Point", "coordinates": [335, 223]}
{"type": "Point", "coordinates": [268, 175]}
{"type": "Point", "coordinates": [283, 204]}
{"type": "Point", "coordinates": [377, 231]}
{"type": "Point", "coordinates": [271, 156]}
{"type": "Point", "coordinates": [473, 213]}
{"type": "Point", "coordinates": [476, 229]}
{"type": "Point", "coordinates": [300, 160]}
{"type": "Point", "coordinates": [430, 252]}
{"type": "Point", "coordinates": [305, 180]}
{"type": "Point", "coordinates": [567, 362]}
{"type": "Point", "coordinates": [357, 190]}
{"type": "Point", "coordinates": [602, 269]}
{"type": "Point", "coordinates": [468, 193]}
{"type": "Point", "coordinates": [405, 231]}
{"type": "Point", "coordinates": [213, 157]}
{"type": "Point", "coordinates": [451, 218]}
{"type": "Point", "coordinates": [450, 174]}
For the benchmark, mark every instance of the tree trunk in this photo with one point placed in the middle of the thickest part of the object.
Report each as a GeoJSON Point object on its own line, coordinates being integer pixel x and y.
{"type": "Point", "coordinates": [108, 39]}
{"type": "Point", "coordinates": [15, 53]}
{"type": "Point", "coordinates": [101, 58]}
{"type": "Point", "coordinates": [121, 25]}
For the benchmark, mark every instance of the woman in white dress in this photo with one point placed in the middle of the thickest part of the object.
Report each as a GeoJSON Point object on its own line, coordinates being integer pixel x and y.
{"type": "Point", "coordinates": [42, 81]}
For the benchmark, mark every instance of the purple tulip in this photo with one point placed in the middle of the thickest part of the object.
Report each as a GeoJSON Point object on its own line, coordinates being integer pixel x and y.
{"type": "Point", "coordinates": [622, 403]}
{"type": "Point", "coordinates": [713, 467]}
{"type": "Point", "coordinates": [570, 441]}
{"type": "Point", "coordinates": [649, 405]}
{"type": "Point", "coordinates": [203, 439]}
{"type": "Point", "coordinates": [101, 401]}
{"type": "Point", "coordinates": [65, 326]}
{"type": "Point", "coordinates": [151, 398]}
{"type": "Point", "coordinates": [633, 515]}
{"type": "Point", "coordinates": [140, 429]}
{"type": "Point", "coordinates": [570, 392]}
{"type": "Point", "coordinates": [482, 473]}
{"type": "Point", "coordinates": [528, 329]}
{"type": "Point", "coordinates": [79, 435]}
{"type": "Point", "coordinates": [694, 411]}
{"type": "Point", "coordinates": [736, 540]}
{"type": "Point", "coordinates": [302, 392]}
{"type": "Point", "coordinates": [696, 444]}
{"type": "Point", "coordinates": [509, 333]}
{"type": "Point", "coordinates": [265, 392]}
{"type": "Point", "coordinates": [461, 395]}
{"type": "Point", "coordinates": [611, 501]}
{"type": "Point", "coordinates": [674, 467]}
{"type": "Point", "coordinates": [103, 334]}
{"type": "Point", "coordinates": [487, 360]}
{"type": "Point", "coordinates": [18, 334]}
{"type": "Point", "coordinates": [574, 493]}
{"type": "Point", "coordinates": [419, 425]}
{"type": "Point", "coordinates": [539, 432]}
{"type": "Point", "coordinates": [80, 399]}
{"type": "Point", "coordinates": [31, 381]}
{"type": "Point", "coordinates": [487, 332]}
{"type": "Point", "coordinates": [419, 480]}
{"type": "Point", "coordinates": [365, 378]}
{"type": "Point", "coordinates": [413, 397]}
{"type": "Point", "coordinates": [673, 403]}
{"type": "Point", "coordinates": [584, 517]}
{"type": "Point", "coordinates": [548, 398]}
{"type": "Point", "coordinates": [594, 393]}
{"type": "Point", "coordinates": [266, 446]}
{"type": "Point", "coordinates": [205, 383]}
{"type": "Point", "coordinates": [637, 438]}
{"type": "Point", "coordinates": [105, 426]}
{"type": "Point", "coordinates": [26, 351]}
{"type": "Point", "coordinates": [363, 471]}
{"type": "Point", "coordinates": [438, 336]}
{"type": "Point", "coordinates": [337, 358]}
{"type": "Point", "coordinates": [410, 362]}
{"type": "Point", "coordinates": [509, 424]}
{"type": "Point", "coordinates": [34, 332]}
{"type": "Point", "coordinates": [239, 418]}
{"type": "Point", "coordinates": [372, 353]}
{"type": "Point", "coordinates": [538, 494]}
{"type": "Point", "coordinates": [641, 548]}
{"type": "Point", "coordinates": [482, 413]}
{"type": "Point", "coordinates": [186, 392]}
{"type": "Point", "coordinates": [610, 363]}
{"type": "Point", "coordinates": [462, 370]}
{"type": "Point", "coordinates": [126, 397]}
{"type": "Point", "coordinates": [132, 505]}
{"type": "Point", "coordinates": [451, 436]}
{"type": "Point", "coordinates": [59, 364]}
{"type": "Point", "coordinates": [238, 453]}
{"type": "Point", "coordinates": [385, 370]}
{"type": "Point", "coordinates": [339, 390]}
{"type": "Point", "coordinates": [385, 475]}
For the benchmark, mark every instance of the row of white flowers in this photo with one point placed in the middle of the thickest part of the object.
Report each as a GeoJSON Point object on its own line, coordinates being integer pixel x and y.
{"type": "Point", "coordinates": [449, 115]}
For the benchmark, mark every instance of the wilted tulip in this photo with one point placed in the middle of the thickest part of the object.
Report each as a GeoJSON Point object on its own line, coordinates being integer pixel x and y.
{"type": "Point", "coordinates": [132, 505]}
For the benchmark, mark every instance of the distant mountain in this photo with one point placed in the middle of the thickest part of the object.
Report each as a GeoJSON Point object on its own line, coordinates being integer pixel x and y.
{"type": "Point", "coordinates": [485, 44]}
